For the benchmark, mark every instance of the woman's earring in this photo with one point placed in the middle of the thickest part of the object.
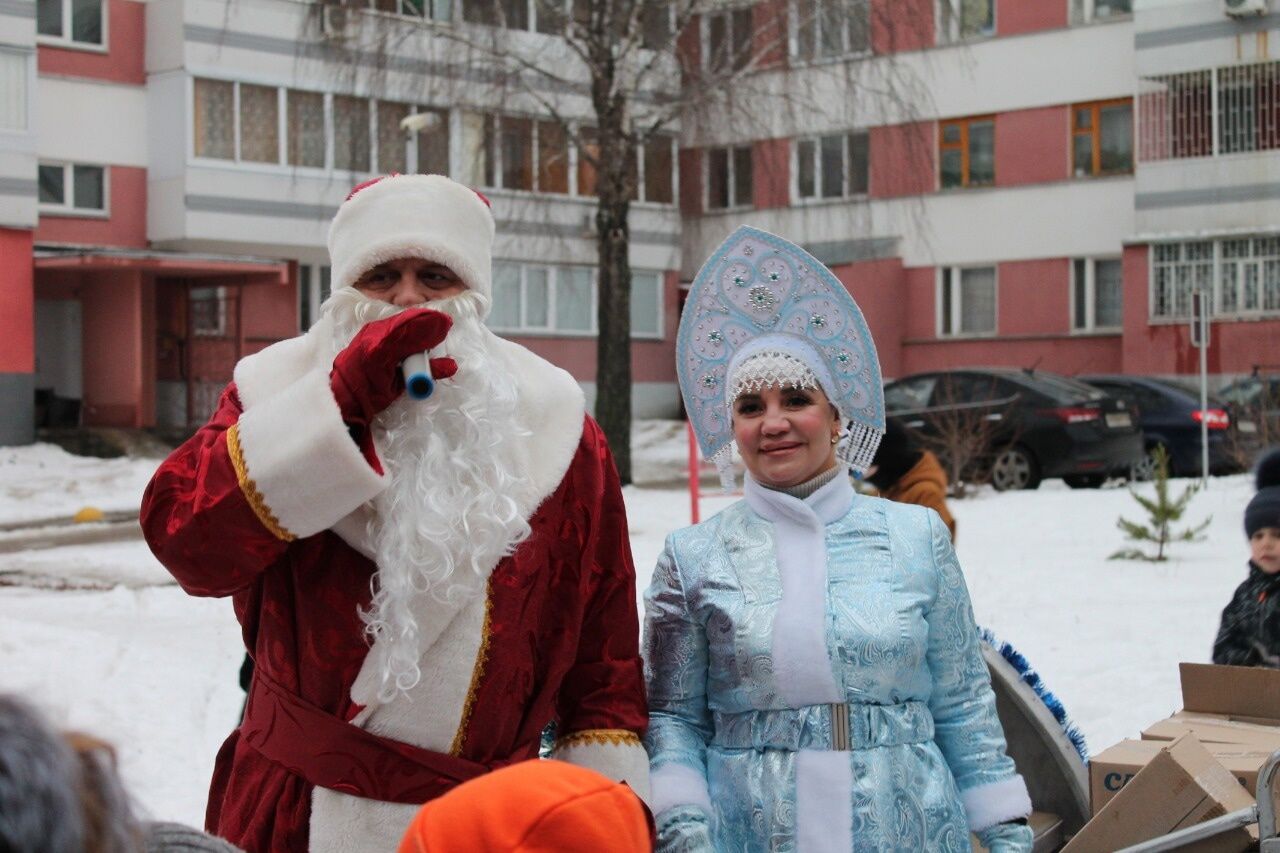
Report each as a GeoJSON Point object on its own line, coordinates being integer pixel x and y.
{"type": "Point", "coordinates": [835, 439]}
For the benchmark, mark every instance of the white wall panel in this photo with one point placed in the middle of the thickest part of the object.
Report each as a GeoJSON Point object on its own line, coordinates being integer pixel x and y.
{"type": "Point", "coordinates": [1209, 195]}
{"type": "Point", "coordinates": [91, 122]}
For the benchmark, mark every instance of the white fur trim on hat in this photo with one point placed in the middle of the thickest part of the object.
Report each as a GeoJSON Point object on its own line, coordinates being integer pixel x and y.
{"type": "Point", "coordinates": [414, 216]}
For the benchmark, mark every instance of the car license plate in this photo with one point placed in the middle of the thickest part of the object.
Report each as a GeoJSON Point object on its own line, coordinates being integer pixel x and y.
{"type": "Point", "coordinates": [1118, 420]}
{"type": "Point", "coordinates": [1246, 426]}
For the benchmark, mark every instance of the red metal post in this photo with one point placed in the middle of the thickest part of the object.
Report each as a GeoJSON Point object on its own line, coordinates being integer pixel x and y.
{"type": "Point", "coordinates": [694, 465]}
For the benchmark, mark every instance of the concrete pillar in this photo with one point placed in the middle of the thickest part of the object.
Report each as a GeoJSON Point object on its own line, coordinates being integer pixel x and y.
{"type": "Point", "coordinates": [17, 338]}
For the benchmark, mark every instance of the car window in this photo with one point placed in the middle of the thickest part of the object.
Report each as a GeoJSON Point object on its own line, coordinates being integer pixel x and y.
{"type": "Point", "coordinates": [910, 393]}
{"type": "Point", "coordinates": [1243, 392]}
{"type": "Point", "coordinates": [1062, 389]}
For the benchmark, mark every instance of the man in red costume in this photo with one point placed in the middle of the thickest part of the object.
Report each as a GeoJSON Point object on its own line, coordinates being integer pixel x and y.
{"type": "Point", "coordinates": [423, 585]}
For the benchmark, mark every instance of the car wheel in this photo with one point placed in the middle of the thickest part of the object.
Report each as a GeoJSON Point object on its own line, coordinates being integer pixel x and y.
{"type": "Point", "coordinates": [1144, 470]}
{"type": "Point", "coordinates": [1084, 481]}
{"type": "Point", "coordinates": [1014, 468]}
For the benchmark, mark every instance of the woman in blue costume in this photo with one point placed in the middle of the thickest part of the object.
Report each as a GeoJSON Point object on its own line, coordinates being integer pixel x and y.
{"type": "Point", "coordinates": [814, 674]}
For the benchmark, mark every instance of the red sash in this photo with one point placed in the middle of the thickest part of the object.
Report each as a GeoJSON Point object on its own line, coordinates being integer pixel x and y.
{"type": "Point", "coordinates": [330, 753]}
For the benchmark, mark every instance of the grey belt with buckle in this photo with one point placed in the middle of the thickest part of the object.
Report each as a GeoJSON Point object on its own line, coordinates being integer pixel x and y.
{"type": "Point", "coordinates": [835, 726]}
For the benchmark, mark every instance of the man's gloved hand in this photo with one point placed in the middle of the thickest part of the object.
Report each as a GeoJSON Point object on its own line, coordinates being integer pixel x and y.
{"type": "Point", "coordinates": [366, 376]}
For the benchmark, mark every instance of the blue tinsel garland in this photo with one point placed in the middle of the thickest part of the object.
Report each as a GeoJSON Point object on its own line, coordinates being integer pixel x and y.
{"type": "Point", "coordinates": [1033, 680]}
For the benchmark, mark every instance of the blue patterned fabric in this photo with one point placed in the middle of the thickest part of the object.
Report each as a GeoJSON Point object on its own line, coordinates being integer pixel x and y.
{"type": "Point", "coordinates": [904, 651]}
{"type": "Point", "coordinates": [758, 289]}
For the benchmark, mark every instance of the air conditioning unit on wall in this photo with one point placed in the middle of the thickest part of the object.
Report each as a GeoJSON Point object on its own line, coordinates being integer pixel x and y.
{"type": "Point", "coordinates": [1244, 8]}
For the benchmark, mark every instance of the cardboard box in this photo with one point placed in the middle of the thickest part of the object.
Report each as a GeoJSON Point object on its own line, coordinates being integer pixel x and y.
{"type": "Point", "coordinates": [1180, 786]}
{"type": "Point", "coordinates": [1215, 728]}
{"type": "Point", "coordinates": [1112, 769]}
{"type": "Point", "coordinates": [1246, 693]}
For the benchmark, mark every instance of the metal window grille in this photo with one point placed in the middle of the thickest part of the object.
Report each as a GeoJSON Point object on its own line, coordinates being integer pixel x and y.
{"type": "Point", "coordinates": [1249, 108]}
{"type": "Point", "coordinates": [1178, 269]}
{"type": "Point", "coordinates": [1241, 274]}
{"type": "Point", "coordinates": [1176, 116]}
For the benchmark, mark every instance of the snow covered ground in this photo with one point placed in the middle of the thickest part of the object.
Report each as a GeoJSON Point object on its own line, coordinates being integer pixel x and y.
{"type": "Point", "coordinates": [100, 638]}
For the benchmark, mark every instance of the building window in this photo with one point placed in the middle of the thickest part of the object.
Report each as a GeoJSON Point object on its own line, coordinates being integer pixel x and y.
{"type": "Point", "coordinates": [832, 166]}
{"type": "Point", "coordinates": [1177, 269]}
{"type": "Point", "coordinates": [208, 307]}
{"type": "Point", "coordinates": [76, 22]}
{"type": "Point", "coordinates": [1204, 113]}
{"type": "Point", "coordinates": [726, 43]}
{"type": "Point", "coordinates": [511, 146]}
{"type": "Point", "coordinates": [967, 301]}
{"type": "Point", "coordinates": [214, 116]}
{"type": "Point", "coordinates": [543, 16]}
{"type": "Point", "coordinates": [1095, 294]}
{"type": "Point", "coordinates": [72, 188]}
{"type": "Point", "coordinates": [304, 128]}
{"type": "Point", "coordinates": [259, 124]}
{"type": "Point", "coordinates": [965, 19]}
{"type": "Point", "coordinates": [543, 299]}
{"type": "Point", "coordinates": [351, 142]}
{"type": "Point", "coordinates": [314, 281]}
{"type": "Point", "coordinates": [13, 90]}
{"type": "Point", "coordinates": [966, 152]}
{"type": "Point", "coordinates": [728, 177]}
{"type": "Point", "coordinates": [1249, 276]}
{"type": "Point", "coordinates": [1088, 11]}
{"type": "Point", "coordinates": [435, 10]}
{"type": "Point", "coordinates": [1102, 138]}
{"type": "Point", "coordinates": [657, 170]}
{"type": "Point", "coordinates": [829, 28]}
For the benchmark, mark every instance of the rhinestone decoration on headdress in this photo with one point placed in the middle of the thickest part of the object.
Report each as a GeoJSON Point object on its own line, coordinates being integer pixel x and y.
{"type": "Point", "coordinates": [766, 369]}
{"type": "Point", "coordinates": [760, 293]}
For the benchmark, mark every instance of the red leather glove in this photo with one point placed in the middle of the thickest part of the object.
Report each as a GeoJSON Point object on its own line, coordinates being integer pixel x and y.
{"type": "Point", "coordinates": [366, 376]}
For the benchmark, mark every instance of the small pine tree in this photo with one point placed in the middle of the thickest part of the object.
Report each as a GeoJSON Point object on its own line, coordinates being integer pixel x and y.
{"type": "Point", "coordinates": [1162, 513]}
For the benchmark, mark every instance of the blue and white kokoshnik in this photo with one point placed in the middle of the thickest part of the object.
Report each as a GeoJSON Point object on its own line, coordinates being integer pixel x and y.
{"type": "Point", "coordinates": [760, 293]}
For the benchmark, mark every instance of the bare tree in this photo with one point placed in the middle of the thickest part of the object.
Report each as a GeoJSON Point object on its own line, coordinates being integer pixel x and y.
{"type": "Point", "coordinates": [968, 431]}
{"type": "Point", "coordinates": [621, 73]}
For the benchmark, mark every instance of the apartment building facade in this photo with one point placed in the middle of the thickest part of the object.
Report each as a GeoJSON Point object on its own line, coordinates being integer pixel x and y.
{"type": "Point", "coordinates": [997, 182]}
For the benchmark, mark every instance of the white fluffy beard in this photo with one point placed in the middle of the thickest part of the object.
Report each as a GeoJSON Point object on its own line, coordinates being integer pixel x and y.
{"type": "Point", "coordinates": [447, 515]}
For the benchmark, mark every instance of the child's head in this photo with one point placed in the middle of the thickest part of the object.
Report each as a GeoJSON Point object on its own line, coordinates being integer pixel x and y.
{"type": "Point", "coordinates": [1262, 516]}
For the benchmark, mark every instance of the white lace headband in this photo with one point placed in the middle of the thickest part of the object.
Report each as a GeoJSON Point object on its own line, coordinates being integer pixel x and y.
{"type": "Point", "coordinates": [767, 369]}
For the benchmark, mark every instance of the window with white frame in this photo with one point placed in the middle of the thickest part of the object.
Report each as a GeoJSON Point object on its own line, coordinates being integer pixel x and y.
{"type": "Point", "coordinates": [1095, 294]}
{"type": "Point", "coordinates": [967, 301]}
{"type": "Point", "coordinates": [1088, 11]}
{"type": "Point", "coordinates": [314, 282]}
{"type": "Point", "coordinates": [834, 166]}
{"type": "Point", "coordinates": [965, 19]}
{"type": "Point", "coordinates": [13, 89]}
{"type": "Point", "coordinates": [208, 307]}
{"type": "Point", "coordinates": [729, 177]}
{"type": "Point", "coordinates": [562, 300]}
{"type": "Point", "coordinates": [524, 154]}
{"type": "Point", "coordinates": [72, 22]}
{"type": "Point", "coordinates": [825, 29]}
{"type": "Point", "coordinates": [432, 10]}
{"type": "Point", "coordinates": [543, 16]}
{"type": "Point", "coordinates": [1178, 269]}
{"type": "Point", "coordinates": [1249, 276]}
{"type": "Point", "coordinates": [726, 39]}
{"type": "Point", "coordinates": [249, 123]}
{"type": "Point", "coordinates": [72, 188]}
{"type": "Point", "coordinates": [657, 170]}
{"type": "Point", "coordinates": [1209, 112]}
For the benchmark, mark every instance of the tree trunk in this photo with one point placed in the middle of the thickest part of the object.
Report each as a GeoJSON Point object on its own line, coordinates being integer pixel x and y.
{"type": "Point", "coordinates": [613, 346]}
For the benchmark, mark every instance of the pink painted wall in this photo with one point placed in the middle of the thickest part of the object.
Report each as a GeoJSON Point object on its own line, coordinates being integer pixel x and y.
{"type": "Point", "coordinates": [920, 320]}
{"type": "Point", "coordinates": [126, 224]}
{"type": "Point", "coordinates": [270, 313]}
{"type": "Point", "coordinates": [902, 25]}
{"type": "Point", "coordinates": [771, 173]}
{"type": "Point", "coordinates": [124, 61]}
{"type": "Point", "coordinates": [1060, 354]}
{"type": "Point", "coordinates": [1027, 16]}
{"type": "Point", "coordinates": [651, 360]}
{"type": "Point", "coordinates": [119, 345]}
{"type": "Point", "coordinates": [1034, 297]}
{"type": "Point", "coordinates": [17, 295]}
{"type": "Point", "coordinates": [769, 22]}
{"type": "Point", "coordinates": [878, 287]}
{"type": "Point", "coordinates": [903, 159]}
{"type": "Point", "coordinates": [1032, 146]}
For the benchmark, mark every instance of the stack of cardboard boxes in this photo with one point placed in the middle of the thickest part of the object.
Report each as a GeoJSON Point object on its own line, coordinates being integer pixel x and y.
{"type": "Point", "coordinates": [1201, 763]}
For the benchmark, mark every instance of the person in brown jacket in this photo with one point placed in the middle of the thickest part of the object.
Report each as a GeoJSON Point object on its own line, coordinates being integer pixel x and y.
{"type": "Point", "coordinates": [902, 472]}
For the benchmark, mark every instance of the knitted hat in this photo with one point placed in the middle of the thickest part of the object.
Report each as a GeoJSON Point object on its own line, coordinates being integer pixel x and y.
{"type": "Point", "coordinates": [538, 806]}
{"type": "Point", "coordinates": [1264, 509]}
{"type": "Point", "coordinates": [413, 216]}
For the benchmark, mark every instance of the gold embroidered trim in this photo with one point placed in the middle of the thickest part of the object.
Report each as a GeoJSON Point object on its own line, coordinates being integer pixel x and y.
{"type": "Point", "coordinates": [616, 737]}
{"type": "Point", "coordinates": [250, 489]}
{"type": "Point", "coordinates": [482, 657]}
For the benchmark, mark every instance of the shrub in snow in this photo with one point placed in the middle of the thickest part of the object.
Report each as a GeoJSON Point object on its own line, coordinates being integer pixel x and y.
{"type": "Point", "coordinates": [1162, 513]}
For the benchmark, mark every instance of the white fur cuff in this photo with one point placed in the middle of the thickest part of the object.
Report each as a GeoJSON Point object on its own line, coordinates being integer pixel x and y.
{"type": "Point", "coordinates": [996, 802]}
{"type": "Point", "coordinates": [677, 785]}
{"type": "Point", "coordinates": [621, 761]}
{"type": "Point", "coordinates": [301, 459]}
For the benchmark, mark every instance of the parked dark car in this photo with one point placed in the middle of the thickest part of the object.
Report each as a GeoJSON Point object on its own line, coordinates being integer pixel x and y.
{"type": "Point", "coordinates": [1255, 403]}
{"type": "Point", "coordinates": [1029, 424]}
{"type": "Point", "coordinates": [1169, 415]}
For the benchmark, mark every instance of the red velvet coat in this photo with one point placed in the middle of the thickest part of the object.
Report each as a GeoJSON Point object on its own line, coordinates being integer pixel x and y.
{"type": "Point", "coordinates": [561, 634]}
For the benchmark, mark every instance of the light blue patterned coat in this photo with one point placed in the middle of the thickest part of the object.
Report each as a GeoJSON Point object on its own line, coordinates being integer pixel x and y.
{"type": "Point", "coordinates": [926, 760]}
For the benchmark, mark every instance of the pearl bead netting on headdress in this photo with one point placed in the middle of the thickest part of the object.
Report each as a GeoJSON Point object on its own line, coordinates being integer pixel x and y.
{"type": "Point", "coordinates": [769, 369]}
